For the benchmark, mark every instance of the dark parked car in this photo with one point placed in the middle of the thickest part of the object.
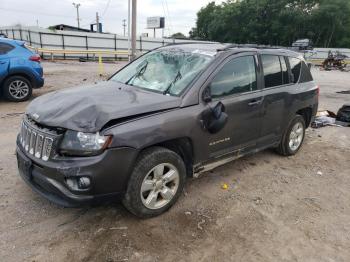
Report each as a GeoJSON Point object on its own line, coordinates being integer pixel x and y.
{"type": "Point", "coordinates": [171, 114]}
{"type": "Point", "coordinates": [20, 70]}
{"type": "Point", "coordinates": [303, 44]}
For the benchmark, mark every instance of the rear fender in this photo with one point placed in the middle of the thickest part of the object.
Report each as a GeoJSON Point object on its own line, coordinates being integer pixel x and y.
{"type": "Point", "coordinates": [22, 72]}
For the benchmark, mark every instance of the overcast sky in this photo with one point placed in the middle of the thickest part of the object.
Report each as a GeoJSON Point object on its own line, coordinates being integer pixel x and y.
{"type": "Point", "coordinates": [180, 15]}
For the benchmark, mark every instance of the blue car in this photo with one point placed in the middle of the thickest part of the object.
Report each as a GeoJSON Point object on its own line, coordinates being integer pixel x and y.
{"type": "Point", "coordinates": [20, 70]}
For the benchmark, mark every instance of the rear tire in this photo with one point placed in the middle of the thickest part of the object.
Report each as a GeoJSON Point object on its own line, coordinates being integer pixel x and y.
{"type": "Point", "coordinates": [156, 182]}
{"type": "Point", "coordinates": [293, 137]}
{"type": "Point", "coordinates": [17, 89]}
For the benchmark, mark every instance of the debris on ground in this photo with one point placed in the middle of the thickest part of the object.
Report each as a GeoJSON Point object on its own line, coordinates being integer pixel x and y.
{"type": "Point", "coordinates": [257, 200]}
{"type": "Point", "coordinates": [99, 230]}
{"type": "Point", "coordinates": [334, 61]}
{"type": "Point", "coordinates": [224, 186]}
{"type": "Point", "coordinates": [346, 92]}
{"type": "Point", "coordinates": [343, 114]}
{"type": "Point", "coordinates": [328, 118]}
{"type": "Point", "coordinates": [118, 228]}
{"type": "Point", "coordinates": [199, 225]}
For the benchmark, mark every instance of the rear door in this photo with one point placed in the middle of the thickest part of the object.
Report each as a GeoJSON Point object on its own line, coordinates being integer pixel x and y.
{"type": "Point", "coordinates": [235, 84]}
{"type": "Point", "coordinates": [4, 59]}
{"type": "Point", "coordinates": [276, 93]}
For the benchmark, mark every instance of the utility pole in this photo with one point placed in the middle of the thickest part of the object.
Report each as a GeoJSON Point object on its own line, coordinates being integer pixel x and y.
{"type": "Point", "coordinates": [124, 25]}
{"type": "Point", "coordinates": [97, 23]}
{"type": "Point", "coordinates": [77, 7]}
{"type": "Point", "coordinates": [133, 29]}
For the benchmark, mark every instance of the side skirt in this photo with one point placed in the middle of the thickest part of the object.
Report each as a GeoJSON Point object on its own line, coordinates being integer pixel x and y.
{"type": "Point", "coordinates": [219, 161]}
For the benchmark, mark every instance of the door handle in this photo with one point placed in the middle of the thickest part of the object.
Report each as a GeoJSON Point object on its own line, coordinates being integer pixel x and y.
{"type": "Point", "coordinates": [255, 102]}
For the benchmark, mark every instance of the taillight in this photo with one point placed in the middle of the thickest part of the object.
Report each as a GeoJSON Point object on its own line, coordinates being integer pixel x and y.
{"type": "Point", "coordinates": [35, 58]}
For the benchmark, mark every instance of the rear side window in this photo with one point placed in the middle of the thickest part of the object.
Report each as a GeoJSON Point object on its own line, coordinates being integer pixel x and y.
{"type": "Point", "coordinates": [305, 73]}
{"type": "Point", "coordinates": [295, 67]}
{"type": "Point", "coordinates": [5, 48]}
{"type": "Point", "coordinates": [237, 76]}
{"type": "Point", "coordinates": [285, 76]}
{"type": "Point", "coordinates": [272, 70]}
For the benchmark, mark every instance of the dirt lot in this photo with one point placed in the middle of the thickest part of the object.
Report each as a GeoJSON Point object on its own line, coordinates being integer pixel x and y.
{"type": "Point", "coordinates": [275, 209]}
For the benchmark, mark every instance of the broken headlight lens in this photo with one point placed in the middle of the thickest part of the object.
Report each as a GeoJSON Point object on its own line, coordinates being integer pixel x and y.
{"type": "Point", "coordinates": [83, 144]}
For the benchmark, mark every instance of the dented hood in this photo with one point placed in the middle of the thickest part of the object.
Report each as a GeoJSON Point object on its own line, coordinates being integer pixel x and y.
{"type": "Point", "coordinates": [88, 109]}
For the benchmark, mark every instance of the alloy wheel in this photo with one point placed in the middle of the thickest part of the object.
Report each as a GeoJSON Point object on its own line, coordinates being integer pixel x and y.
{"type": "Point", "coordinates": [160, 186]}
{"type": "Point", "coordinates": [296, 136]}
{"type": "Point", "coordinates": [18, 89]}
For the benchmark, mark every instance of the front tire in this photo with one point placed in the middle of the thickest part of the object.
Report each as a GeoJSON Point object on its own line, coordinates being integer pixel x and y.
{"type": "Point", "coordinates": [17, 89]}
{"type": "Point", "coordinates": [156, 182]}
{"type": "Point", "coordinates": [293, 137]}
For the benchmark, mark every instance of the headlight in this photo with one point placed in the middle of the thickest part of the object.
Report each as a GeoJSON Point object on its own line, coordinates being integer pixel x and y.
{"type": "Point", "coordinates": [83, 144]}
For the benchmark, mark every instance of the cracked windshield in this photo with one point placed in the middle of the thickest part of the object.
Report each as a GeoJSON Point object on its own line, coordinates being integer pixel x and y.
{"type": "Point", "coordinates": [167, 72]}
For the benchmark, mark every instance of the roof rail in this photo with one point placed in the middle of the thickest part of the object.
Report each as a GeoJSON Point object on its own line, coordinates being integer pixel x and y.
{"type": "Point", "coordinates": [229, 46]}
{"type": "Point", "coordinates": [190, 43]}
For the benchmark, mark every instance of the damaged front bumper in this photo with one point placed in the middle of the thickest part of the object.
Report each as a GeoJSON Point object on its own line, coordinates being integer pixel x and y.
{"type": "Point", "coordinates": [108, 174]}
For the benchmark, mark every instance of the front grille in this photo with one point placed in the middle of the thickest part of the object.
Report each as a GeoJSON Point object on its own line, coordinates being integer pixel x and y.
{"type": "Point", "coordinates": [37, 141]}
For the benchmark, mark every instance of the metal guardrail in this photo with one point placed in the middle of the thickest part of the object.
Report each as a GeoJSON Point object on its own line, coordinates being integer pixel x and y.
{"type": "Point", "coordinates": [94, 53]}
{"type": "Point", "coordinates": [72, 41]}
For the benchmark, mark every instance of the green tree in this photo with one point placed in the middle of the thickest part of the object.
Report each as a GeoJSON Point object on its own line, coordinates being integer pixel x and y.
{"type": "Point", "coordinates": [275, 22]}
{"type": "Point", "coordinates": [178, 35]}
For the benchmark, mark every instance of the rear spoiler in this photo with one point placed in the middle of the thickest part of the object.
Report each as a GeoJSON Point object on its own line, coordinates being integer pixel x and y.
{"type": "Point", "coordinates": [18, 42]}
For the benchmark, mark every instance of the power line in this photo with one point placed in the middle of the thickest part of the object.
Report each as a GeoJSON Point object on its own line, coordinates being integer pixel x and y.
{"type": "Point", "coordinates": [106, 8]}
{"type": "Point", "coordinates": [165, 14]}
{"type": "Point", "coordinates": [38, 13]}
{"type": "Point", "coordinates": [167, 8]}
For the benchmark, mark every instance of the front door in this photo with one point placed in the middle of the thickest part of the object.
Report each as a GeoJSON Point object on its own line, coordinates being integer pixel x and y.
{"type": "Point", "coordinates": [236, 86]}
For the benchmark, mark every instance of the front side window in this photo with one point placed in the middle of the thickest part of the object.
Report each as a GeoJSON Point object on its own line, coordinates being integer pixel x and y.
{"type": "Point", "coordinates": [237, 76]}
{"type": "Point", "coordinates": [5, 48]}
{"type": "Point", "coordinates": [272, 70]}
{"type": "Point", "coordinates": [164, 71]}
{"type": "Point", "coordinates": [295, 67]}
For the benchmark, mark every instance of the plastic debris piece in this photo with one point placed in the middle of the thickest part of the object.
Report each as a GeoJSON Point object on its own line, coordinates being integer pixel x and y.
{"type": "Point", "coordinates": [118, 228]}
{"type": "Point", "coordinates": [224, 186]}
{"type": "Point", "coordinates": [343, 114]}
{"type": "Point", "coordinates": [257, 200]}
{"type": "Point", "coordinates": [199, 225]}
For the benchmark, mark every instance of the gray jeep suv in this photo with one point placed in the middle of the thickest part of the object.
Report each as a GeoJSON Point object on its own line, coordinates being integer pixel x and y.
{"type": "Point", "coordinates": [172, 113]}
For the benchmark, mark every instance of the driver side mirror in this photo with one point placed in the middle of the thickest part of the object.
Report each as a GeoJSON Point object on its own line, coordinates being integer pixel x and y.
{"type": "Point", "coordinates": [206, 95]}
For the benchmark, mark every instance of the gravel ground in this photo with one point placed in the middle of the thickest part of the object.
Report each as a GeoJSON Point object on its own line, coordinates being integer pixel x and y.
{"type": "Point", "coordinates": [275, 208]}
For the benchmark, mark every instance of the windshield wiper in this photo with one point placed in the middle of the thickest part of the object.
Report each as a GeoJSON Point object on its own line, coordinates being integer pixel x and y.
{"type": "Point", "coordinates": [177, 78]}
{"type": "Point", "coordinates": [140, 72]}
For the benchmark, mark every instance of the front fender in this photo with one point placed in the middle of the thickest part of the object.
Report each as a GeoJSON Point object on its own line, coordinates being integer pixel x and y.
{"type": "Point", "coordinates": [160, 128]}
{"type": "Point", "coordinates": [147, 131]}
